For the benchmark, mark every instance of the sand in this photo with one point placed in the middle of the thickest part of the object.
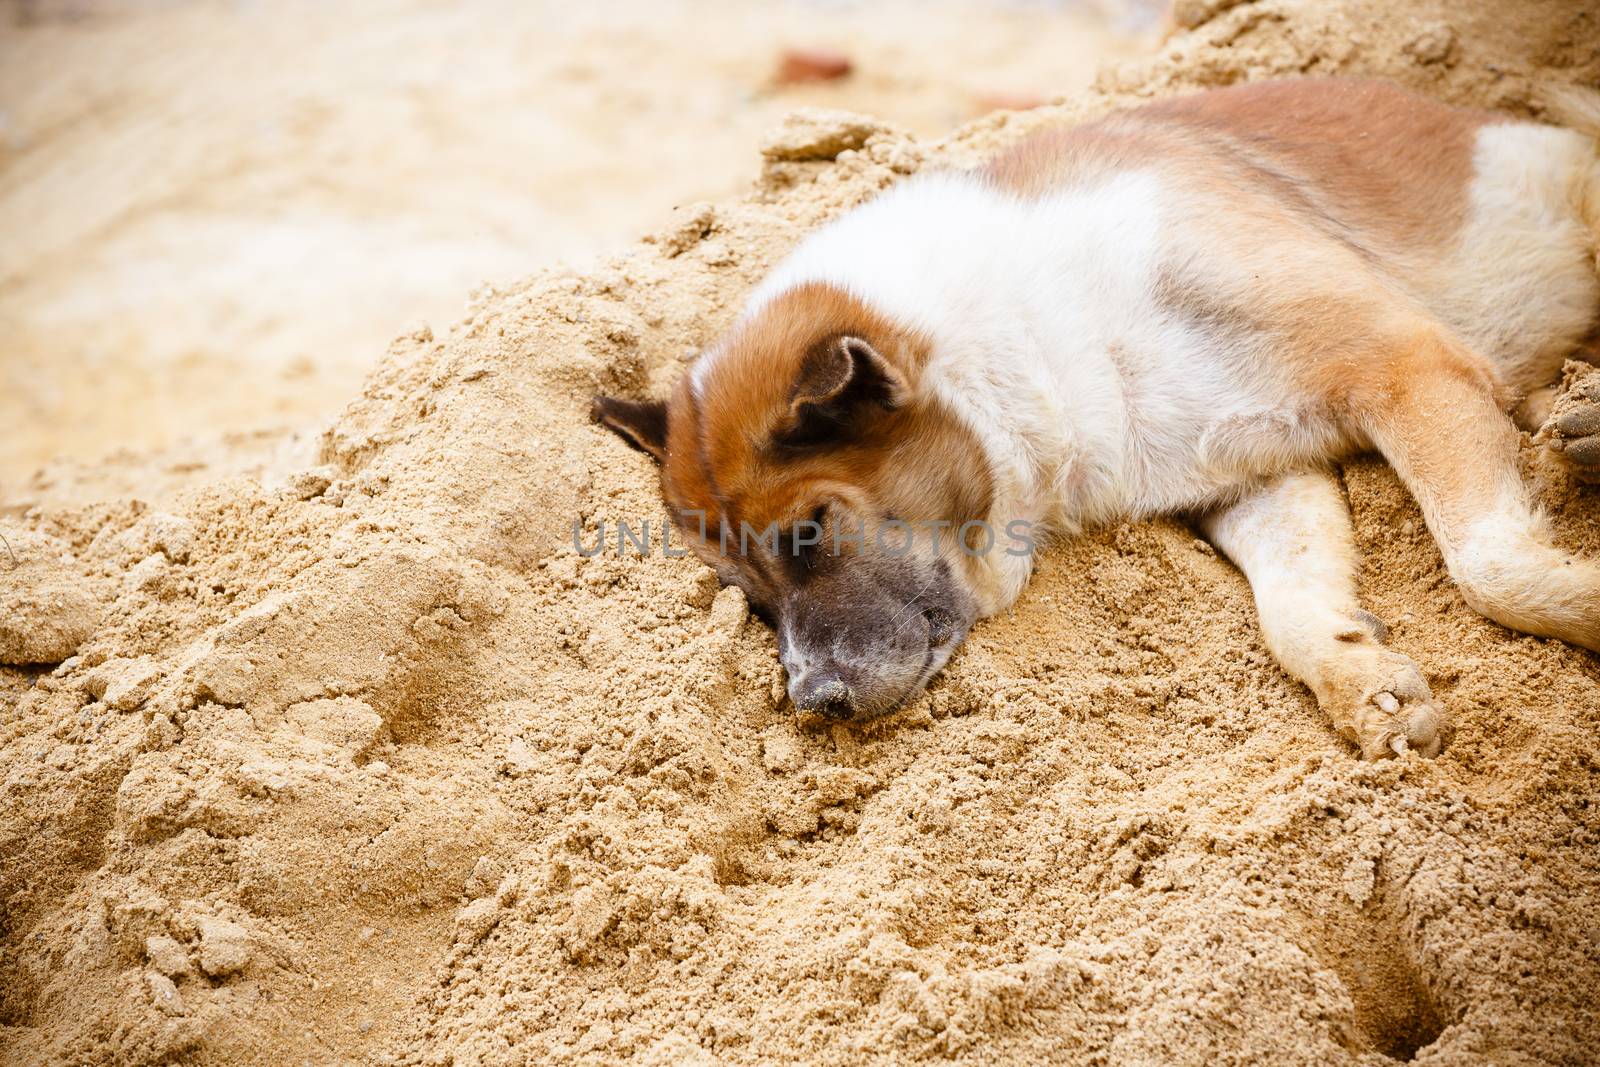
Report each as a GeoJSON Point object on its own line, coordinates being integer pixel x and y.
{"type": "Point", "coordinates": [354, 759]}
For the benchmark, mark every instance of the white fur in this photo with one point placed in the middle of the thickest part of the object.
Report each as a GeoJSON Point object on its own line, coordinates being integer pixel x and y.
{"type": "Point", "coordinates": [1520, 286]}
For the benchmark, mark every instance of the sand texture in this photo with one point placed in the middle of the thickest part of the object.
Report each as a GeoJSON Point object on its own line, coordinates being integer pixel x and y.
{"type": "Point", "coordinates": [355, 760]}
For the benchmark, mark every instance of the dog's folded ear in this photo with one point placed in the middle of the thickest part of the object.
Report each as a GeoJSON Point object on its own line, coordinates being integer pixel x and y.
{"type": "Point", "coordinates": [643, 424]}
{"type": "Point", "coordinates": [841, 381]}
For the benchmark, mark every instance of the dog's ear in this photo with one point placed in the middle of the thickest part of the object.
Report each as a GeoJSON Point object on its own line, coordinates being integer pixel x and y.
{"type": "Point", "coordinates": [643, 424]}
{"type": "Point", "coordinates": [841, 381]}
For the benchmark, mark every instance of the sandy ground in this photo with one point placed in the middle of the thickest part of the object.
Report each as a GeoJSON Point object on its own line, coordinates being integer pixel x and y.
{"type": "Point", "coordinates": [216, 214]}
{"type": "Point", "coordinates": [356, 761]}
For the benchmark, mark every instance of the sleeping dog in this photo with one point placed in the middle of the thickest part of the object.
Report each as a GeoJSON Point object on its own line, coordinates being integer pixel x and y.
{"type": "Point", "coordinates": [1194, 308]}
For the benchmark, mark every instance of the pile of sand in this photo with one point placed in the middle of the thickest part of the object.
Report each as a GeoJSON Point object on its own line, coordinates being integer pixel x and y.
{"type": "Point", "coordinates": [362, 763]}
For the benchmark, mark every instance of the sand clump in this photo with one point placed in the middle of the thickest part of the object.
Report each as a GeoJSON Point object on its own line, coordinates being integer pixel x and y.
{"type": "Point", "coordinates": [359, 761]}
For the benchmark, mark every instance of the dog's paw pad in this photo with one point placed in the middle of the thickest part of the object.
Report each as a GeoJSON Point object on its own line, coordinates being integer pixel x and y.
{"type": "Point", "coordinates": [1380, 700]}
{"type": "Point", "coordinates": [1401, 726]}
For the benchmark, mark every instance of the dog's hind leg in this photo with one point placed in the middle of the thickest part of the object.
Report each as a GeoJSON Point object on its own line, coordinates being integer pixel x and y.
{"type": "Point", "coordinates": [1432, 412]}
{"type": "Point", "coordinates": [1293, 540]}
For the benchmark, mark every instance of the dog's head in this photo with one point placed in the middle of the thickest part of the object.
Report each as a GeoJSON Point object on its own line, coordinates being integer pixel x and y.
{"type": "Point", "coordinates": [803, 458]}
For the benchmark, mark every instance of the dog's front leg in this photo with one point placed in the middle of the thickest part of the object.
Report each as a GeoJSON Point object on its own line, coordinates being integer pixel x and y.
{"type": "Point", "coordinates": [1294, 542]}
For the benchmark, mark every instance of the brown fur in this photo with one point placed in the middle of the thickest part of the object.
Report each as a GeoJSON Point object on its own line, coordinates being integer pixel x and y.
{"type": "Point", "coordinates": [1366, 156]}
{"type": "Point", "coordinates": [724, 457]}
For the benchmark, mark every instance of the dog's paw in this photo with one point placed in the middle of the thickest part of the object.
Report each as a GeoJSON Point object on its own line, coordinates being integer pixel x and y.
{"type": "Point", "coordinates": [1573, 428]}
{"type": "Point", "coordinates": [1380, 700]}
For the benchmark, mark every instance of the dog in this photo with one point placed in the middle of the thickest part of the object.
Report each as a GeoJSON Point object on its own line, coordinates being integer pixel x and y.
{"type": "Point", "coordinates": [1196, 308]}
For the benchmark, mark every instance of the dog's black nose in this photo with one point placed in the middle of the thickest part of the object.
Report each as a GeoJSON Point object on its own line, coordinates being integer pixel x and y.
{"type": "Point", "coordinates": [824, 694]}
{"type": "Point", "coordinates": [836, 709]}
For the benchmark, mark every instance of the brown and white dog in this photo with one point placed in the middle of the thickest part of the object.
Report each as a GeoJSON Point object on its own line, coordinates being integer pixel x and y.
{"type": "Point", "coordinates": [1194, 307]}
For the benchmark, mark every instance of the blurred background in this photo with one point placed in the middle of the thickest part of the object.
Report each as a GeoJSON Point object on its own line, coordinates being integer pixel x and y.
{"type": "Point", "coordinates": [214, 215]}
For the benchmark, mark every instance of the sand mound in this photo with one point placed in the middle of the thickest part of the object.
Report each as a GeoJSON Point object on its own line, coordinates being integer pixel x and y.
{"type": "Point", "coordinates": [363, 763]}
